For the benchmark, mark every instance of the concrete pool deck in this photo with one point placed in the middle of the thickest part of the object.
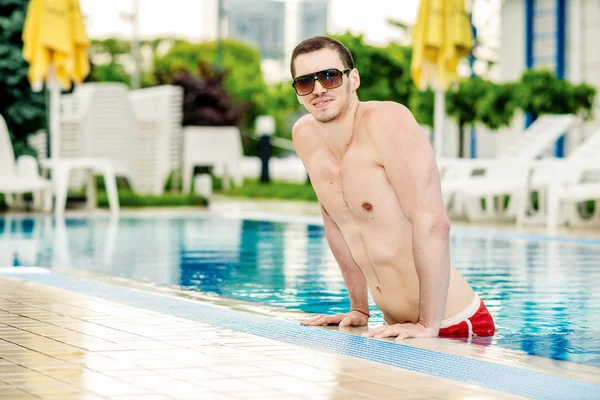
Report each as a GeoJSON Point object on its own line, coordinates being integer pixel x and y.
{"type": "Point", "coordinates": [57, 344]}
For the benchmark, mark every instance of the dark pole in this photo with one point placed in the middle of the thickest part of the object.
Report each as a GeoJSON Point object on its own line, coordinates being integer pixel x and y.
{"type": "Point", "coordinates": [265, 152]}
{"type": "Point", "coordinates": [265, 128]}
{"type": "Point", "coordinates": [220, 16]}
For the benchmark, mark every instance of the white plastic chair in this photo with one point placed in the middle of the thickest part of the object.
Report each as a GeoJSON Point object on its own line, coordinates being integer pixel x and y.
{"type": "Point", "coordinates": [216, 146]}
{"type": "Point", "coordinates": [158, 146]}
{"type": "Point", "coordinates": [21, 176]}
{"type": "Point", "coordinates": [64, 167]}
{"type": "Point", "coordinates": [98, 121]}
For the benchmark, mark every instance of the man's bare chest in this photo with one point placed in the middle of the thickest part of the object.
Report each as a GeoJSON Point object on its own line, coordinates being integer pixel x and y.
{"type": "Point", "coordinates": [355, 190]}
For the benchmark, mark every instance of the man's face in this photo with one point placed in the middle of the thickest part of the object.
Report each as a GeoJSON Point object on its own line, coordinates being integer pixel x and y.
{"type": "Point", "coordinates": [326, 105]}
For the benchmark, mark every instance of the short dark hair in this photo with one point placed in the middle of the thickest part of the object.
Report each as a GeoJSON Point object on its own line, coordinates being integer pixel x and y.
{"type": "Point", "coordinates": [316, 43]}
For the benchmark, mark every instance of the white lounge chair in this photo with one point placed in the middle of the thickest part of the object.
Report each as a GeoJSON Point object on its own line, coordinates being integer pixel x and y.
{"type": "Point", "coordinates": [480, 186]}
{"type": "Point", "coordinates": [21, 176]}
{"type": "Point", "coordinates": [575, 180]}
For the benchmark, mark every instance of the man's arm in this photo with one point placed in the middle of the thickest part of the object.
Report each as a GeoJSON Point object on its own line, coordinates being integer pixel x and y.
{"type": "Point", "coordinates": [353, 277]}
{"type": "Point", "coordinates": [411, 168]}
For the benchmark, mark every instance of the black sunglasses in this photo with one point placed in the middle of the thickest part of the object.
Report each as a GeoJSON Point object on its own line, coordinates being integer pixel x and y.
{"type": "Point", "coordinates": [329, 79]}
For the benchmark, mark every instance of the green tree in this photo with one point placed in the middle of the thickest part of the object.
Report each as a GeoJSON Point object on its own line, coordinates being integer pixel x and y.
{"type": "Point", "coordinates": [384, 71]}
{"type": "Point", "coordinates": [461, 104]}
{"type": "Point", "coordinates": [109, 53]}
{"type": "Point", "coordinates": [421, 104]}
{"type": "Point", "coordinates": [540, 92]}
{"type": "Point", "coordinates": [23, 110]}
{"type": "Point", "coordinates": [244, 79]}
{"type": "Point", "coordinates": [108, 66]}
{"type": "Point", "coordinates": [279, 101]}
{"type": "Point", "coordinates": [498, 105]}
{"type": "Point", "coordinates": [110, 72]}
{"type": "Point", "coordinates": [111, 48]}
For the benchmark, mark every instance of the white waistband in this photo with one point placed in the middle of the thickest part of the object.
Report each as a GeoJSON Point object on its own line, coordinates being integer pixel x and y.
{"type": "Point", "coordinates": [463, 315]}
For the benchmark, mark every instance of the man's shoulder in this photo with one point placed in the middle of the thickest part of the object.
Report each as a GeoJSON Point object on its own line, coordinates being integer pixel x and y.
{"type": "Point", "coordinates": [304, 136]}
{"type": "Point", "coordinates": [303, 127]}
{"type": "Point", "coordinates": [379, 118]}
{"type": "Point", "coordinates": [381, 111]}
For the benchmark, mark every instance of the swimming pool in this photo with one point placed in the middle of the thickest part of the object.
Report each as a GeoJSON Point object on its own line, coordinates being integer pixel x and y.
{"type": "Point", "coordinates": [541, 291]}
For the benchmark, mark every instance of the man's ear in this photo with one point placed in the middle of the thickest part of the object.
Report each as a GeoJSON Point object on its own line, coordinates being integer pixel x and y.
{"type": "Point", "coordinates": [355, 78]}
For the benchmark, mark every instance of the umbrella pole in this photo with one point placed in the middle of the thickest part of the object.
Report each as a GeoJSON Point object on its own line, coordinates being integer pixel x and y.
{"type": "Point", "coordinates": [54, 89]}
{"type": "Point", "coordinates": [438, 122]}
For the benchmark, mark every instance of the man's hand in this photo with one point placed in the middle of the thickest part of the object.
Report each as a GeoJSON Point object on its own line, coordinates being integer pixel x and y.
{"type": "Point", "coordinates": [402, 331]}
{"type": "Point", "coordinates": [353, 318]}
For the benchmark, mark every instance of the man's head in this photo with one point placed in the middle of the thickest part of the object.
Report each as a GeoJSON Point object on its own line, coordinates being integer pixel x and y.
{"type": "Point", "coordinates": [324, 77]}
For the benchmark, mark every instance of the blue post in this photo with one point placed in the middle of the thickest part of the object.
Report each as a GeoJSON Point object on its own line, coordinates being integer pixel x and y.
{"type": "Point", "coordinates": [560, 59]}
{"type": "Point", "coordinates": [529, 29]}
{"type": "Point", "coordinates": [473, 145]}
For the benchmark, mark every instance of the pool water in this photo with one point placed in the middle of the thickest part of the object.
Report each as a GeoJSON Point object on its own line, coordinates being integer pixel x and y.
{"type": "Point", "coordinates": [542, 293]}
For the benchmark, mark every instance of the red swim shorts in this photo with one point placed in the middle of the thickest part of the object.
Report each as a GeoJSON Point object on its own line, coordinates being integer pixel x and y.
{"type": "Point", "coordinates": [475, 320]}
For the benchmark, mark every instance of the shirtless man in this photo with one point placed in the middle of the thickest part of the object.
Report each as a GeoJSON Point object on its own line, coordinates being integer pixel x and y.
{"type": "Point", "coordinates": [378, 185]}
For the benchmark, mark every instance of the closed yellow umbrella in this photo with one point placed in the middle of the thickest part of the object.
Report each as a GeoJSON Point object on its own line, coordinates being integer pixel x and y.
{"type": "Point", "coordinates": [55, 46]}
{"type": "Point", "coordinates": [427, 41]}
{"type": "Point", "coordinates": [54, 36]}
{"type": "Point", "coordinates": [441, 37]}
{"type": "Point", "coordinates": [457, 43]}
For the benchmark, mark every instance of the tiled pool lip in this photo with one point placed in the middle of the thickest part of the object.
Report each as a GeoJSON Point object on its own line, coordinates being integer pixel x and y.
{"type": "Point", "coordinates": [504, 378]}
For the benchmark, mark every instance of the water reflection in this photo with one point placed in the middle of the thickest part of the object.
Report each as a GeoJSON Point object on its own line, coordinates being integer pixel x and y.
{"type": "Point", "coordinates": [541, 293]}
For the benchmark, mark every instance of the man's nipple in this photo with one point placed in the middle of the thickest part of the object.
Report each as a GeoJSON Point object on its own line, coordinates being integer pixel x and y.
{"type": "Point", "coordinates": [367, 206]}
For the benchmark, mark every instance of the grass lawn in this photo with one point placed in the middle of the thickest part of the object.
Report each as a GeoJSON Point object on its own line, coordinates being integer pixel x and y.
{"type": "Point", "coordinates": [167, 199]}
{"type": "Point", "coordinates": [127, 198]}
{"type": "Point", "coordinates": [253, 188]}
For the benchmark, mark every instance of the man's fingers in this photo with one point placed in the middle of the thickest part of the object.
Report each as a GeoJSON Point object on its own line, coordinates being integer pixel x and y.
{"type": "Point", "coordinates": [350, 321]}
{"type": "Point", "coordinates": [309, 320]}
{"type": "Point", "coordinates": [312, 320]}
{"type": "Point", "coordinates": [401, 331]}
{"type": "Point", "coordinates": [386, 333]}
{"type": "Point", "coordinates": [405, 334]}
{"type": "Point", "coordinates": [382, 332]}
{"type": "Point", "coordinates": [323, 320]}
{"type": "Point", "coordinates": [402, 336]}
{"type": "Point", "coordinates": [376, 331]}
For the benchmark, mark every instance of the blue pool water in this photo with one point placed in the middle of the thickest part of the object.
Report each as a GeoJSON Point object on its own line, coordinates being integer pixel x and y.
{"type": "Point", "coordinates": [542, 293]}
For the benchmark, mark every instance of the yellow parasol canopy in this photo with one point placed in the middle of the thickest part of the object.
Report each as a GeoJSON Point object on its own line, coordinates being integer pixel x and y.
{"type": "Point", "coordinates": [441, 37]}
{"type": "Point", "coordinates": [54, 36]}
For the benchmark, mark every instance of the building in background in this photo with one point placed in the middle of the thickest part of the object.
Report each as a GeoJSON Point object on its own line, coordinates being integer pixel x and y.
{"type": "Point", "coordinates": [273, 26]}
{"type": "Point", "coordinates": [561, 35]}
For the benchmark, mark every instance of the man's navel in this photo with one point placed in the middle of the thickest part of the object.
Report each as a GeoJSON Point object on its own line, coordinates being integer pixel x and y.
{"type": "Point", "coordinates": [367, 206]}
